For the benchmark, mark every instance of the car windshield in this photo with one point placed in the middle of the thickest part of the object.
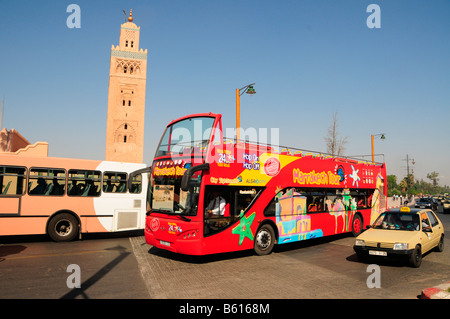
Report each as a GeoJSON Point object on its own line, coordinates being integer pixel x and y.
{"type": "Point", "coordinates": [425, 200]}
{"type": "Point", "coordinates": [397, 221]}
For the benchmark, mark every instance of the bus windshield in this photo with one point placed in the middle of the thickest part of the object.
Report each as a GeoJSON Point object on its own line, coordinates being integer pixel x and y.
{"type": "Point", "coordinates": [167, 196]}
{"type": "Point", "coordinates": [186, 137]}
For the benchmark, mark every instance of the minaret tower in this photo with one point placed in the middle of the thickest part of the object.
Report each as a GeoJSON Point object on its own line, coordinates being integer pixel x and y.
{"type": "Point", "coordinates": [126, 97]}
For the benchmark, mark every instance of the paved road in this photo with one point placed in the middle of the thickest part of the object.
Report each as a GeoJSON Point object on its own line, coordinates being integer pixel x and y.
{"type": "Point", "coordinates": [320, 268]}
{"type": "Point", "coordinates": [39, 269]}
{"type": "Point", "coordinates": [126, 267]}
{"type": "Point", "coordinates": [317, 269]}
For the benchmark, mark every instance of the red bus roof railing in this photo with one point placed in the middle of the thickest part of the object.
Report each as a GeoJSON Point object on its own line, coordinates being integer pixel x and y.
{"type": "Point", "coordinates": [275, 149]}
{"type": "Point", "coordinates": [292, 151]}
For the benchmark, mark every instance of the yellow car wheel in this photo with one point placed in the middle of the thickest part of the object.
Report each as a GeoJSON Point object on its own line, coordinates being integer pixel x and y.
{"type": "Point", "coordinates": [416, 257]}
{"type": "Point", "coordinates": [440, 246]}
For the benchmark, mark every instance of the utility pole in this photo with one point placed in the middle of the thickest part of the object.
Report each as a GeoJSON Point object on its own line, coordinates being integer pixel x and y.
{"type": "Point", "coordinates": [408, 180]}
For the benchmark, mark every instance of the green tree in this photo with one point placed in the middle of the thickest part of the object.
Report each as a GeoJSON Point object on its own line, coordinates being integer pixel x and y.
{"type": "Point", "coordinates": [433, 176]}
{"type": "Point", "coordinates": [416, 187]}
{"type": "Point", "coordinates": [392, 186]}
{"type": "Point", "coordinates": [403, 185]}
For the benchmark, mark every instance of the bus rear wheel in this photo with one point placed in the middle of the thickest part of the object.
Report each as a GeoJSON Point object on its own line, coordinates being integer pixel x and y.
{"type": "Point", "coordinates": [63, 227]}
{"type": "Point", "coordinates": [264, 240]}
{"type": "Point", "coordinates": [357, 225]}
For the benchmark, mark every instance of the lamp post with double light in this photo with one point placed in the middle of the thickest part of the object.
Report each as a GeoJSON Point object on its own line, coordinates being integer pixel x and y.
{"type": "Point", "coordinates": [246, 89]}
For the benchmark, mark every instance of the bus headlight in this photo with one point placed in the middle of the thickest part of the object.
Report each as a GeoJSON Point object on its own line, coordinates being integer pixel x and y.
{"type": "Point", "coordinates": [359, 242]}
{"type": "Point", "coordinates": [401, 246]}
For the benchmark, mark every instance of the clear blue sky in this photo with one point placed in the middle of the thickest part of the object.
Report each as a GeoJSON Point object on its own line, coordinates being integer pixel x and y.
{"type": "Point", "coordinates": [308, 59]}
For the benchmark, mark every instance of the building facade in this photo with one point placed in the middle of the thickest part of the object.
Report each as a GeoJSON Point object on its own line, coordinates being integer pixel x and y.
{"type": "Point", "coordinates": [12, 142]}
{"type": "Point", "coordinates": [126, 97]}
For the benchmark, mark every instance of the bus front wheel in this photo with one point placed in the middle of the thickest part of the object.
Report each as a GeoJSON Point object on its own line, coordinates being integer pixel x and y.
{"type": "Point", "coordinates": [264, 240]}
{"type": "Point", "coordinates": [63, 227]}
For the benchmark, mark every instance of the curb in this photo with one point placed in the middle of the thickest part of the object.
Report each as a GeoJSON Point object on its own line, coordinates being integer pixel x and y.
{"type": "Point", "coordinates": [438, 292]}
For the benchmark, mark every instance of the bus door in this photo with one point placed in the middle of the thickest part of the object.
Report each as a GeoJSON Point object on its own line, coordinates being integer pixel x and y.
{"type": "Point", "coordinates": [134, 176]}
{"type": "Point", "coordinates": [12, 183]}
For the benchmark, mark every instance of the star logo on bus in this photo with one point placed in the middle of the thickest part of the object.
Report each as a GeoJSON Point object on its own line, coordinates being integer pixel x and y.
{"type": "Point", "coordinates": [355, 176]}
{"type": "Point", "coordinates": [243, 228]}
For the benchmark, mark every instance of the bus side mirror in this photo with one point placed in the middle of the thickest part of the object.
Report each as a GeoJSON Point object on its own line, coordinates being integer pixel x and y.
{"type": "Point", "coordinates": [188, 174]}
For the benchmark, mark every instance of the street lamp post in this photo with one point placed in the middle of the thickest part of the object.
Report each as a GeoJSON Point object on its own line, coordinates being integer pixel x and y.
{"type": "Point", "coordinates": [382, 137]}
{"type": "Point", "coordinates": [246, 89]}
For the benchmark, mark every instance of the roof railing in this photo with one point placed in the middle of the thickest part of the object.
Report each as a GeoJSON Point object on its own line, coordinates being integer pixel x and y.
{"type": "Point", "coordinates": [293, 151]}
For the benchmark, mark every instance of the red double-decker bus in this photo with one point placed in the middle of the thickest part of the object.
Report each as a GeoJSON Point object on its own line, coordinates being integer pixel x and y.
{"type": "Point", "coordinates": [209, 195]}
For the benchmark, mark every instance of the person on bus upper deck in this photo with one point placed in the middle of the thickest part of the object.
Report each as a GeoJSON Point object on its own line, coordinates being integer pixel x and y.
{"type": "Point", "coordinates": [217, 205]}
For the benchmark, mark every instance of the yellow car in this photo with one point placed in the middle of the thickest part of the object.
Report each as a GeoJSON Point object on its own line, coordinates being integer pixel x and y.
{"type": "Point", "coordinates": [446, 204]}
{"type": "Point", "coordinates": [402, 232]}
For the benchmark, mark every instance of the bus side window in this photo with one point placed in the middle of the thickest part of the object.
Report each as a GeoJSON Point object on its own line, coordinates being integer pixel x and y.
{"type": "Point", "coordinates": [359, 196]}
{"type": "Point", "coordinates": [369, 197]}
{"type": "Point", "coordinates": [136, 186]}
{"type": "Point", "coordinates": [12, 180]}
{"type": "Point", "coordinates": [84, 183]}
{"type": "Point", "coordinates": [115, 182]}
{"type": "Point", "coordinates": [47, 181]}
{"type": "Point", "coordinates": [330, 199]}
{"type": "Point", "coordinates": [244, 197]}
{"type": "Point", "coordinates": [271, 208]}
{"type": "Point", "coordinates": [362, 200]}
{"type": "Point", "coordinates": [315, 200]}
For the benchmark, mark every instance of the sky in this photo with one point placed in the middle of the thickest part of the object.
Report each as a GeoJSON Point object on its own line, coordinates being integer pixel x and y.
{"type": "Point", "coordinates": [308, 59]}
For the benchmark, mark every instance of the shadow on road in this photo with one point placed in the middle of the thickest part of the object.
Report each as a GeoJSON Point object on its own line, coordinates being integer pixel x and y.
{"type": "Point", "coordinates": [10, 250]}
{"type": "Point", "coordinates": [199, 259]}
{"type": "Point", "coordinates": [241, 254]}
{"type": "Point", "coordinates": [75, 292]}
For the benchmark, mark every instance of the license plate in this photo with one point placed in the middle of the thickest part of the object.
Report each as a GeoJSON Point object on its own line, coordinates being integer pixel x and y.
{"type": "Point", "coordinates": [421, 206]}
{"type": "Point", "coordinates": [165, 243]}
{"type": "Point", "coordinates": [377, 253]}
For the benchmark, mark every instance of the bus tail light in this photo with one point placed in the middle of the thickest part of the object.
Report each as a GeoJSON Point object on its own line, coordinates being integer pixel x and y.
{"type": "Point", "coordinates": [190, 234]}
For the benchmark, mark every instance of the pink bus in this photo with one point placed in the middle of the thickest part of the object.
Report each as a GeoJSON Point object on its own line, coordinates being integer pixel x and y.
{"type": "Point", "coordinates": [65, 197]}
